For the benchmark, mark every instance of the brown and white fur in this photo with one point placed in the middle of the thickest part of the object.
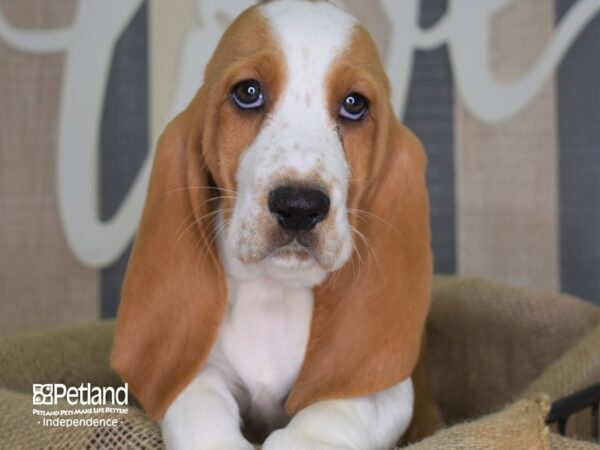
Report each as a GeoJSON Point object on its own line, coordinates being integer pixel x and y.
{"type": "Point", "coordinates": [226, 318]}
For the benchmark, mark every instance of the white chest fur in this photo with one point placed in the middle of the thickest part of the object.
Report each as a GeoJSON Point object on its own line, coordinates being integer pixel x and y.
{"type": "Point", "coordinates": [263, 336]}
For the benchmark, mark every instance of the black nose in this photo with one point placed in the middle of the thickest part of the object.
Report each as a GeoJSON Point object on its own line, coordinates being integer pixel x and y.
{"type": "Point", "coordinates": [298, 208]}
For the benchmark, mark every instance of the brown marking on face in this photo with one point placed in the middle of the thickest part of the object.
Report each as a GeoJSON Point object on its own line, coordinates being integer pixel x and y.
{"type": "Point", "coordinates": [247, 50]}
{"type": "Point", "coordinates": [358, 69]}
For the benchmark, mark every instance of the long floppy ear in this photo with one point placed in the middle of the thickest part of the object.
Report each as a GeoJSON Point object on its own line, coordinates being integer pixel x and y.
{"type": "Point", "coordinates": [173, 298]}
{"type": "Point", "coordinates": [369, 318]}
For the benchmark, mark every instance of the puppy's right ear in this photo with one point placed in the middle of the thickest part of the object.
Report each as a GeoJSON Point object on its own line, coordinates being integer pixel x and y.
{"type": "Point", "coordinates": [173, 297]}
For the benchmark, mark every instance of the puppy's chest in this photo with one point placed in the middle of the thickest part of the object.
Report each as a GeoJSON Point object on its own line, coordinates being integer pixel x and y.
{"type": "Point", "coordinates": [264, 335]}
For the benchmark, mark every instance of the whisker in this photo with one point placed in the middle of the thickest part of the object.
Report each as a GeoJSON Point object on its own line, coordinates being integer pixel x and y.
{"type": "Point", "coordinates": [189, 188]}
{"type": "Point", "coordinates": [369, 247]}
{"type": "Point", "coordinates": [201, 245]}
{"type": "Point", "coordinates": [219, 229]}
{"type": "Point", "coordinates": [195, 210]}
{"type": "Point", "coordinates": [355, 251]}
{"type": "Point", "coordinates": [358, 212]}
{"type": "Point", "coordinates": [197, 221]}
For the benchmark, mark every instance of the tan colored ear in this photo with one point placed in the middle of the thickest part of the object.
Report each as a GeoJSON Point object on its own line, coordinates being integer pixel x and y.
{"type": "Point", "coordinates": [368, 319]}
{"type": "Point", "coordinates": [173, 297]}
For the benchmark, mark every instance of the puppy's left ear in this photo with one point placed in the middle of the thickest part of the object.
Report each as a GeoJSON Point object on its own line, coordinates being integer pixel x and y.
{"type": "Point", "coordinates": [368, 322]}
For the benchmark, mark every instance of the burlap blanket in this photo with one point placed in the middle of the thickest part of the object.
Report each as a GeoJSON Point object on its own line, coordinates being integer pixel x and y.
{"type": "Point", "coordinates": [497, 357]}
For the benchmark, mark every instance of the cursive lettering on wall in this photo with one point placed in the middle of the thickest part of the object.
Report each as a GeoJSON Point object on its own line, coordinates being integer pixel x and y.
{"type": "Point", "coordinates": [89, 42]}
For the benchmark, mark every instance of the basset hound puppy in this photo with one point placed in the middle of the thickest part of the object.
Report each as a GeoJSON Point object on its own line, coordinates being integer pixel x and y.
{"type": "Point", "coordinates": [280, 278]}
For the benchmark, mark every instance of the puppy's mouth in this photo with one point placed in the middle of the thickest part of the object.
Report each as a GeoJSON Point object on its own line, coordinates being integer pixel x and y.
{"type": "Point", "coordinates": [298, 246]}
{"type": "Point", "coordinates": [293, 250]}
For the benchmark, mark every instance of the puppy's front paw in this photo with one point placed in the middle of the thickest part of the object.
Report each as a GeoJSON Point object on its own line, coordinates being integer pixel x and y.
{"type": "Point", "coordinates": [287, 439]}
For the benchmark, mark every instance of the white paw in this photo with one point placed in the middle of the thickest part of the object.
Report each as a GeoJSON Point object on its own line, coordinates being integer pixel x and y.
{"type": "Point", "coordinates": [286, 439]}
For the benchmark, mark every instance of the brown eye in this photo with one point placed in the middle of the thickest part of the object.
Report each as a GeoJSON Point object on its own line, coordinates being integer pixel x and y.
{"type": "Point", "coordinates": [354, 106]}
{"type": "Point", "coordinates": [247, 94]}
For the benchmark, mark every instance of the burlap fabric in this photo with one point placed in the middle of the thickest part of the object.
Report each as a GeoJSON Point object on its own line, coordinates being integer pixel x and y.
{"type": "Point", "coordinates": [496, 357]}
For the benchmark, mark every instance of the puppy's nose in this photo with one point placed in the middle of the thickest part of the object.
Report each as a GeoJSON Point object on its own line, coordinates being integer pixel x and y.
{"type": "Point", "coordinates": [298, 208]}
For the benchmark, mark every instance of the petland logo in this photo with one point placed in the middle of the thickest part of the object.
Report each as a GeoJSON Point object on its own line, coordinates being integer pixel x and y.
{"type": "Point", "coordinates": [86, 405]}
{"type": "Point", "coordinates": [85, 394]}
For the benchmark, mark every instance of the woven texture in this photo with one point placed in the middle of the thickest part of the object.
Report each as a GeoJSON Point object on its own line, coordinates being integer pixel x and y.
{"type": "Point", "coordinates": [496, 357]}
{"type": "Point", "coordinates": [519, 426]}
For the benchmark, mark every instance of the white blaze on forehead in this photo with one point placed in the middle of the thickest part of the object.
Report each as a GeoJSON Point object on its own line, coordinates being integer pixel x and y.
{"type": "Point", "coordinates": [305, 29]}
{"type": "Point", "coordinates": [311, 35]}
{"type": "Point", "coordinates": [300, 133]}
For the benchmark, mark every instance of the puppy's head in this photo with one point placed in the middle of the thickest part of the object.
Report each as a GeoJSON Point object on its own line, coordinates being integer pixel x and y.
{"type": "Point", "coordinates": [293, 177]}
{"type": "Point", "coordinates": [297, 96]}
{"type": "Point", "coordinates": [291, 158]}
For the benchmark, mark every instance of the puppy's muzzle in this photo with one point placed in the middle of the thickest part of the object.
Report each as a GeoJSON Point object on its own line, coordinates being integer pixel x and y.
{"type": "Point", "coordinates": [298, 208]}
